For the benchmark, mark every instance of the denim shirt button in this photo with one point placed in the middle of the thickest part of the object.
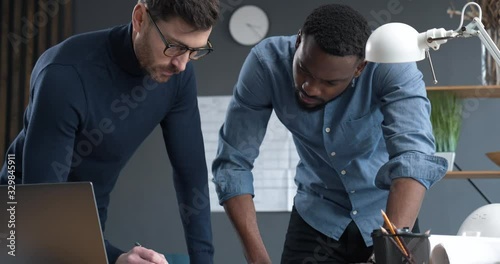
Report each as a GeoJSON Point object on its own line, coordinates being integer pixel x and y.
{"type": "Point", "coordinates": [343, 172]}
{"type": "Point", "coordinates": [333, 154]}
{"type": "Point", "coordinates": [352, 191]}
{"type": "Point", "coordinates": [327, 130]}
{"type": "Point", "coordinates": [354, 212]}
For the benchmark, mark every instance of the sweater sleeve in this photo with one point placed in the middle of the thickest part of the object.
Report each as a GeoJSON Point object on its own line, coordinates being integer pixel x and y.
{"type": "Point", "coordinates": [112, 252]}
{"type": "Point", "coordinates": [184, 143]}
{"type": "Point", "coordinates": [56, 110]}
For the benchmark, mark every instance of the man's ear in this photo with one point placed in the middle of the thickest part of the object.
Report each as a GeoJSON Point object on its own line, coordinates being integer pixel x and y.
{"type": "Point", "coordinates": [360, 68]}
{"type": "Point", "coordinates": [299, 39]}
{"type": "Point", "coordinates": [138, 17]}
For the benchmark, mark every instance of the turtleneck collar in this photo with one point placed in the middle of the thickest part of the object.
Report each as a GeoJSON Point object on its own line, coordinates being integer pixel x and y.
{"type": "Point", "coordinates": [122, 50]}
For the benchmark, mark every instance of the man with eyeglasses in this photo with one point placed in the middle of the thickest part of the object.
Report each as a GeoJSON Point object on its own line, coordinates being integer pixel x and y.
{"type": "Point", "coordinates": [95, 97]}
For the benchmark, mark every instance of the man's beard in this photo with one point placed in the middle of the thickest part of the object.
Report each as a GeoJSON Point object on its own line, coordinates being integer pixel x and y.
{"type": "Point", "coordinates": [299, 90]}
{"type": "Point", "coordinates": [304, 106]}
{"type": "Point", "coordinates": [145, 58]}
{"type": "Point", "coordinates": [156, 72]}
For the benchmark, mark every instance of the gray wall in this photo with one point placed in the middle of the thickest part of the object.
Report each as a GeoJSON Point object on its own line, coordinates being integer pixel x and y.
{"type": "Point", "coordinates": [143, 206]}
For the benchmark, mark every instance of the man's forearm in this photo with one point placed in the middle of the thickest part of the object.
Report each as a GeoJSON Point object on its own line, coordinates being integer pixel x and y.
{"type": "Point", "coordinates": [405, 198]}
{"type": "Point", "coordinates": [194, 208]}
{"type": "Point", "coordinates": [112, 252]}
{"type": "Point", "coordinates": [241, 211]}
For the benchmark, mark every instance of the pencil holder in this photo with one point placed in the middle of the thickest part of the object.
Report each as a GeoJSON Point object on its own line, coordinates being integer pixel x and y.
{"type": "Point", "coordinates": [387, 252]}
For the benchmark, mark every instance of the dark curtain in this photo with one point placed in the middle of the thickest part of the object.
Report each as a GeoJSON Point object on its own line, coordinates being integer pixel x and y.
{"type": "Point", "coordinates": [28, 28]}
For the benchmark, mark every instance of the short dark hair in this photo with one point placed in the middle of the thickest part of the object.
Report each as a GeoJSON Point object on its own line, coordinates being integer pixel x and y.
{"type": "Point", "coordinates": [201, 14]}
{"type": "Point", "coordinates": [338, 30]}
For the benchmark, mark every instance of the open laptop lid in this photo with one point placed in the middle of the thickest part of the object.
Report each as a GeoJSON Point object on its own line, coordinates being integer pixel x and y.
{"type": "Point", "coordinates": [55, 223]}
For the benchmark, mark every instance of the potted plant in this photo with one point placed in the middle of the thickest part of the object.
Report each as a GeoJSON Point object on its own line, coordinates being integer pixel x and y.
{"type": "Point", "coordinates": [446, 119]}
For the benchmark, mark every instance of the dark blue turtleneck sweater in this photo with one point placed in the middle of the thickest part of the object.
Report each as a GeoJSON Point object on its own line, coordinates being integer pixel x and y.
{"type": "Point", "coordinates": [90, 108]}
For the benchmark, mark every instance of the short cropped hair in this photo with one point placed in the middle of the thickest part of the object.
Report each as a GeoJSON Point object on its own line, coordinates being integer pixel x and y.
{"type": "Point", "coordinates": [201, 14]}
{"type": "Point", "coordinates": [338, 30]}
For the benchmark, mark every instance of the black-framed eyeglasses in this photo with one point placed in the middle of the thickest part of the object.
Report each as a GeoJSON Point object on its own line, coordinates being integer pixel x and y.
{"type": "Point", "coordinates": [174, 50]}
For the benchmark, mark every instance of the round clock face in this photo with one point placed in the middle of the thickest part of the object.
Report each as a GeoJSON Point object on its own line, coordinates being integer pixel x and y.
{"type": "Point", "coordinates": [248, 25]}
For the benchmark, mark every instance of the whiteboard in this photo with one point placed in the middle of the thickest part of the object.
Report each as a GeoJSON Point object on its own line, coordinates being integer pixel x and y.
{"type": "Point", "coordinates": [274, 169]}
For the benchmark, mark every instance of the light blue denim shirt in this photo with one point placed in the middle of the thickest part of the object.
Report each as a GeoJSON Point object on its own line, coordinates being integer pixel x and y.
{"type": "Point", "coordinates": [376, 131]}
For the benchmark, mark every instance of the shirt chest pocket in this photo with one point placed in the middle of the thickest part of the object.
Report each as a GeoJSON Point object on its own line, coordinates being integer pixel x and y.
{"type": "Point", "coordinates": [362, 132]}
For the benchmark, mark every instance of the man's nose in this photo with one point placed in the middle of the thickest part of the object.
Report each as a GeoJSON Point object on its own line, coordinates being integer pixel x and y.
{"type": "Point", "coordinates": [180, 61]}
{"type": "Point", "coordinates": [311, 88]}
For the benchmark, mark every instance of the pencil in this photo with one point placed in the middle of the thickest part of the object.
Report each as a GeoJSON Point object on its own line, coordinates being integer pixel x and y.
{"type": "Point", "coordinates": [405, 247]}
{"type": "Point", "coordinates": [391, 228]}
{"type": "Point", "coordinates": [408, 258]}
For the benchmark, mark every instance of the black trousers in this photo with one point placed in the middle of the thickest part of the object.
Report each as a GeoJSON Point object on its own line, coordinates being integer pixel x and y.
{"type": "Point", "coordinates": [306, 245]}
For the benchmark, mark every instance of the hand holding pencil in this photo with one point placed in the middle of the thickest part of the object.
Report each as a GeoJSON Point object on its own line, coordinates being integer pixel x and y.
{"type": "Point", "coordinates": [139, 254]}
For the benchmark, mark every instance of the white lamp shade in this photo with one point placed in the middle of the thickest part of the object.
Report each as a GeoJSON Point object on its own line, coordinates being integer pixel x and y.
{"type": "Point", "coordinates": [483, 222]}
{"type": "Point", "coordinates": [394, 43]}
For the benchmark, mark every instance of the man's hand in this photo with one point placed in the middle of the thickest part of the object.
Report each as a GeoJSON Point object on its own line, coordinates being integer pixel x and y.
{"type": "Point", "coordinates": [141, 255]}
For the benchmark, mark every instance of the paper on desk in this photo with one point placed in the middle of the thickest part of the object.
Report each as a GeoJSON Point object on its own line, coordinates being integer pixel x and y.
{"type": "Point", "coordinates": [464, 250]}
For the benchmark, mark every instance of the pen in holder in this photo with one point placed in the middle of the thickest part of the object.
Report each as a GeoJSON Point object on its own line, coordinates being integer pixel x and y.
{"type": "Point", "coordinates": [387, 250]}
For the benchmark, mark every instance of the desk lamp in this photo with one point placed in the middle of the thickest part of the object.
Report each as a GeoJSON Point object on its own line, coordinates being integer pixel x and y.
{"type": "Point", "coordinates": [398, 42]}
{"type": "Point", "coordinates": [483, 222]}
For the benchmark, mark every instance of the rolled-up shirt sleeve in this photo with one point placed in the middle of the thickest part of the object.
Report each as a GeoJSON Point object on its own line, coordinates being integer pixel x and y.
{"type": "Point", "coordinates": [407, 127]}
{"type": "Point", "coordinates": [426, 169]}
{"type": "Point", "coordinates": [243, 130]}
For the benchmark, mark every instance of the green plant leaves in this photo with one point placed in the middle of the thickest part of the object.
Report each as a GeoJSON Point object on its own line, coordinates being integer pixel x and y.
{"type": "Point", "coordinates": [446, 119]}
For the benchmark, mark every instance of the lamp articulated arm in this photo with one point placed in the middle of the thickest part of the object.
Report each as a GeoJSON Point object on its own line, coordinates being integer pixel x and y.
{"type": "Point", "coordinates": [477, 28]}
{"type": "Point", "coordinates": [436, 37]}
{"type": "Point", "coordinates": [383, 46]}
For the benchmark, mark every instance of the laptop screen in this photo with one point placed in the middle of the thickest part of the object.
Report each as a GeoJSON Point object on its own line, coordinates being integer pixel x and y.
{"type": "Point", "coordinates": [50, 223]}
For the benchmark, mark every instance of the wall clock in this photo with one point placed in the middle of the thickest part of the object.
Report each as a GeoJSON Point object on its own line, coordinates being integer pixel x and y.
{"type": "Point", "coordinates": [248, 25]}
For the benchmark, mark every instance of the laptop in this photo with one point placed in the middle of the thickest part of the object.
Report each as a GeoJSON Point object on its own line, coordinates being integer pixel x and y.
{"type": "Point", "coordinates": [54, 223]}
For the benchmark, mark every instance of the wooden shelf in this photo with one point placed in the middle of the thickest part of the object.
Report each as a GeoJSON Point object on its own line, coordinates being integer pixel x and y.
{"type": "Point", "coordinates": [470, 91]}
{"type": "Point", "coordinates": [472, 175]}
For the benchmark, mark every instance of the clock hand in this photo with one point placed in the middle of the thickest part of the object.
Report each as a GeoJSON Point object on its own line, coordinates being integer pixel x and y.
{"type": "Point", "coordinates": [254, 30]}
{"type": "Point", "coordinates": [253, 25]}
